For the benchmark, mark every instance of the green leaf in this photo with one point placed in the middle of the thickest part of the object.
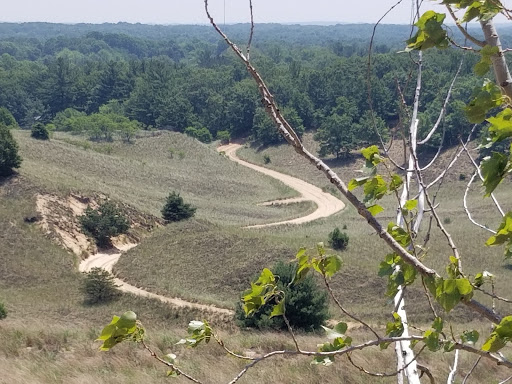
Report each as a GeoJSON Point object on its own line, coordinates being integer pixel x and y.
{"type": "Point", "coordinates": [494, 168]}
{"type": "Point", "coordinates": [396, 182]}
{"type": "Point", "coordinates": [327, 265]}
{"type": "Point", "coordinates": [483, 99]}
{"type": "Point", "coordinates": [503, 235]}
{"type": "Point", "coordinates": [278, 309]}
{"type": "Point", "coordinates": [494, 343]}
{"type": "Point", "coordinates": [438, 324]}
{"type": "Point", "coordinates": [432, 340]}
{"type": "Point", "coordinates": [395, 328]}
{"type": "Point", "coordinates": [371, 154]}
{"type": "Point", "coordinates": [501, 125]}
{"type": "Point", "coordinates": [485, 63]}
{"type": "Point", "coordinates": [430, 32]}
{"type": "Point", "coordinates": [337, 332]}
{"type": "Point", "coordinates": [411, 204]}
{"type": "Point", "coordinates": [375, 189]}
{"type": "Point", "coordinates": [470, 337]}
{"type": "Point", "coordinates": [375, 209]}
{"type": "Point", "coordinates": [355, 183]}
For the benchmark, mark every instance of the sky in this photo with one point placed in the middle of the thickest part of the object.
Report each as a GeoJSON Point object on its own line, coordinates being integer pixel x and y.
{"type": "Point", "coordinates": [192, 11]}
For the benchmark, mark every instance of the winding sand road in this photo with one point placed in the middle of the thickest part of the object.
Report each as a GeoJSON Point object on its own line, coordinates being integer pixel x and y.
{"type": "Point", "coordinates": [327, 205]}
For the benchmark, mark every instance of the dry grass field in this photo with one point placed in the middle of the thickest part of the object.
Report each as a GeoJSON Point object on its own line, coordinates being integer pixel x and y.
{"type": "Point", "coordinates": [48, 336]}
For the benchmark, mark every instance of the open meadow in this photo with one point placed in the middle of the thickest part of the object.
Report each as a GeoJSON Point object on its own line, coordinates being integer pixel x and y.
{"type": "Point", "coordinates": [49, 334]}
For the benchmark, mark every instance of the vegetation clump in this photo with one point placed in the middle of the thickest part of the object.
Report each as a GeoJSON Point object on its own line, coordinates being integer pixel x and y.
{"type": "Point", "coordinates": [103, 223]}
{"type": "Point", "coordinates": [175, 209]}
{"type": "Point", "coordinates": [99, 287]}
{"type": "Point", "coordinates": [224, 137]}
{"type": "Point", "coordinates": [201, 134]}
{"type": "Point", "coordinates": [306, 304]}
{"type": "Point", "coordinates": [3, 311]}
{"type": "Point", "coordinates": [39, 132]}
{"type": "Point", "coordinates": [338, 240]}
{"type": "Point", "coordinates": [9, 157]}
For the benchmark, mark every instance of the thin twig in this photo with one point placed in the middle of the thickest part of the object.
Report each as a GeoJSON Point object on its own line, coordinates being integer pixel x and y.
{"type": "Point", "coordinates": [362, 369]}
{"type": "Point", "coordinates": [290, 329]}
{"type": "Point", "coordinates": [471, 370]}
{"type": "Point", "coordinates": [369, 83]}
{"type": "Point", "coordinates": [477, 167]}
{"type": "Point", "coordinates": [506, 380]}
{"type": "Point", "coordinates": [221, 343]}
{"type": "Point", "coordinates": [169, 364]}
{"type": "Point", "coordinates": [466, 208]}
{"type": "Point", "coordinates": [462, 30]}
{"type": "Point", "coordinates": [338, 303]}
{"type": "Point", "coordinates": [252, 32]}
{"type": "Point", "coordinates": [453, 370]}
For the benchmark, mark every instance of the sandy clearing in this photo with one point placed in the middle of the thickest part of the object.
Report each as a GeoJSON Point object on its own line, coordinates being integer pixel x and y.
{"type": "Point", "coordinates": [327, 204]}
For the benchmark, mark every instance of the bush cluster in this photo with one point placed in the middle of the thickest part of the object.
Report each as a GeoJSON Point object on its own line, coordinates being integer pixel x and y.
{"type": "Point", "coordinates": [103, 223]}
{"type": "Point", "coordinates": [306, 304]}
{"type": "Point", "coordinates": [40, 132]}
{"type": "Point", "coordinates": [175, 209]}
{"type": "Point", "coordinates": [9, 157]}
{"type": "Point", "coordinates": [201, 134]}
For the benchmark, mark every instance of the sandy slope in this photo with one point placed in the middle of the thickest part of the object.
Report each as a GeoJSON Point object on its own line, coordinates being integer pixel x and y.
{"type": "Point", "coordinates": [327, 204]}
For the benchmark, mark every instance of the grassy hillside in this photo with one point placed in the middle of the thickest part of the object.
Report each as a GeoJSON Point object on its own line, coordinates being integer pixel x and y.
{"type": "Point", "coordinates": [142, 174]}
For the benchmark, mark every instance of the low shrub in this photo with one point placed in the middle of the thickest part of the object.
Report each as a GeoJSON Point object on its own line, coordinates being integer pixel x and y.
{"type": "Point", "coordinates": [266, 159]}
{"type": "Point", "coordinates": [3, 311]}
{"type": "Point", "coordinates": [99, 287]}
{"type": "Point", "coordinates": [39, 132]}
{"type": "Point", "coordinates": [175, 209]}
{"type": "Point", "coordinates": [338, 240]}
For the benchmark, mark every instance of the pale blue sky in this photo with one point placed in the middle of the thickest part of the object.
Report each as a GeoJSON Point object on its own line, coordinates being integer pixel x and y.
{"type": "Point", "coordinates": [192, 11]}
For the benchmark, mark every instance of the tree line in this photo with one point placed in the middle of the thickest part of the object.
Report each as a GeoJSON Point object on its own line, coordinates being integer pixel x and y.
{"type": "Point", "coordinates": [101, 83]}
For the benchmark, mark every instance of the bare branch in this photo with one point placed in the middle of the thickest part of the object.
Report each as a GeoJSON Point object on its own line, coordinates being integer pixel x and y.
{"type": "Point", "coordinates": [291, 137]}
{"type": "Point", "coordinates": [368, 79]}
{"type": "Point", "coordinates": [442, 113]}
{"type": "Point", "coordinates": [471, 370]}
{"type": "Point", "coordinates": [252, 32]}
{"type": "Point", "coordinates": [477, 167]}
{"type": "Point", "coordinates": [362, 369]}
{"type": "Point", "coordinates": [169, 364]}
{"type": "Point", "coordinates": [506, 380]}
{"type": "Point", "coordinates": [453, 370]}
{"type": "Point", "coordinates": [221, 343]}
{"type": "Point", "coordinates": [290, 329]}
{"type": "Point", "coordinates": [338, 303]}
{"type": "Point", "coordinates": [454, 160]}
{"type": "Point", "coordinates": [466, 208]}
{"type": "Point", "coordinates": [462, 30]}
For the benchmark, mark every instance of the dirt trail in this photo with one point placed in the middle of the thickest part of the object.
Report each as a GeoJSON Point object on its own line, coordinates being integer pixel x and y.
{"type": "Point", "coordinates": [327, 204]}
{"type": "Point", "coordinates": [107, 261]}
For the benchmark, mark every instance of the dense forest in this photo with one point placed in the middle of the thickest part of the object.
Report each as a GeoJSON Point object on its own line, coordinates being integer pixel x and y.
{"type": "Point", "coordinates": [101, 80]}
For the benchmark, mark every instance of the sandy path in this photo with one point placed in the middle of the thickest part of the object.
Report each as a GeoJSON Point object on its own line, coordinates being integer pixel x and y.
{"type": "Point", "coordinates": [108, 260]}
{"type": "Point", "coordinates": [327, 204]}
